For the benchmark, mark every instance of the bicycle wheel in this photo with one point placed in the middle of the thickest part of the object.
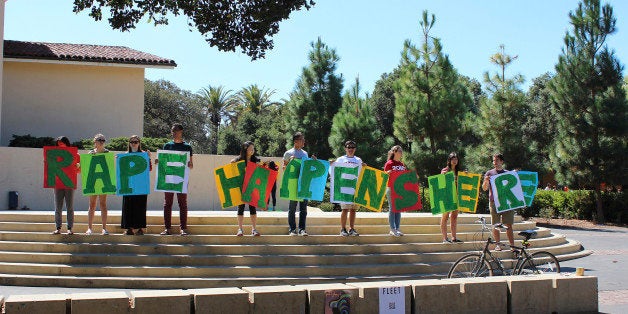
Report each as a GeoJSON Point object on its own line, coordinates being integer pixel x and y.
{"type": "Point", "coordinates": [471, 265]}
{"type": "Point", "coordinates": [539, 263]}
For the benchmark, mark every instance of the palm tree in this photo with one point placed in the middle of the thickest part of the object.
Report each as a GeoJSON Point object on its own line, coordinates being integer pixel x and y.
{"type": "Point", "coordinates": [219, 104]}
{"type": "Point", "coordinates": [255, 99]}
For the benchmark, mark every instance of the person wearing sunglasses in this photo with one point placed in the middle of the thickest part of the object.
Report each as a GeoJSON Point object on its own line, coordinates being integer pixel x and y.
{"type": "Point", "coordinates": [99, 147]}
{"type": "Point", "coordinates": [134, 206]}
{"type": "Point", "coordinates": [349, 157]}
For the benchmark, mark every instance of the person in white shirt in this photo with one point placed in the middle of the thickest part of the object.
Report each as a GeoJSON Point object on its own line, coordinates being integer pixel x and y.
{"type": "Point", "coordinates": [349, 157]}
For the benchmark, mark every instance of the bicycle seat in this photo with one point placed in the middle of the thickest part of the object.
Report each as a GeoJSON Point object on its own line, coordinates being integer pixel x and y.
{"type": "Point", "coordinates": [527, 234]}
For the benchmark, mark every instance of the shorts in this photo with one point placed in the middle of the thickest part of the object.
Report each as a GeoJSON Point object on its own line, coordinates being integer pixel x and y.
{"type": "Point", "coordinates": [349, 206]}
{"type": "Point", "coordinates": [507, 218]}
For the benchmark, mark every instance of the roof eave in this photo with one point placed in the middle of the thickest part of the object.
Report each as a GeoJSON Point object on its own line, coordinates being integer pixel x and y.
{"type": "Point", "coordinates": [168, 66]}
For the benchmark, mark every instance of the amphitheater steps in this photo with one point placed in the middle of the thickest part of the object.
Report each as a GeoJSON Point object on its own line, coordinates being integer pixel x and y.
{"type": "Point", "coordinates": [214, 257]}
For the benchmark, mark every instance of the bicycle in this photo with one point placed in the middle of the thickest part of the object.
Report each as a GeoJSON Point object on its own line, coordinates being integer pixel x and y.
{"type": "Point", "coordinates": [483, 263]}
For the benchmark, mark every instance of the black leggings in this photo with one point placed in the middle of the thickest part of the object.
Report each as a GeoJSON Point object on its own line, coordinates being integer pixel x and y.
{"type": "Point", "coordinates": [241, 210]}
{"type": "Point", "coordinates": [273, 196]}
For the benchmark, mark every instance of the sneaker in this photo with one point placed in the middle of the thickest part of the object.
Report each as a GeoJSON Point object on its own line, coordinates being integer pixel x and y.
{"type": "Point", "coordinates": [88, 232]}
{"type": "Point", "coordinates": [56, 231]}
{"type": "Point", "coordinates": [344, 232]}
{"type": "Point", "coordinates": [292, 232]}
{"type": "Point", "coordinates": [456, 241]}
{"type": "Point", "coordinates": [129, 232]}
{"type": "Point", "coordinates": [446, 240]}
{"type": "Point", "coordinates": [70, 232]}
{"type": "Point", "coordinates": [399, 233]}
{"type": "Point", "coordinates": [353, 233]}
{"type": "Point", "coordinates": [184, 232]}
{"type": "Point", "coordinates": [166, 232]}
{"type": "Point", "coordinates": [240, 233]}
{"type": "Point", "coordinates": [105, 232]}
{"type": "Point", "coordinates": [393, 233]}
{"type": "Point", "coordinates": [270, 208]}
{"type": "Point", "coordinates": [497, 247]}
{"type": "Point", "coordinates": [139, 232]}
{"type": "Point", "coordinates": [255, 233]}
{"type": "Point", "coordinates": [303, 233]}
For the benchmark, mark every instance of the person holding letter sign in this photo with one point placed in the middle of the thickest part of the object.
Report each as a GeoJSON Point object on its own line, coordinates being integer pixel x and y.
{"type": "Point", "coordinates": [247, 153]}
{"type": "Point", "coordinates": [349, 157]}
{"type": "Point", "coordinates": [393, 164]}
{"type": "Point", "coordinates": [177, 144]}
{"type": "Point", "coordinates": [66, 194]}
{"type": "Point", "coordinates": [296, 152]}
{"type": "Point", "coordinates": [134, 206]}
{"type": "Point", "coordinates": [99, 147]}
{"type": "Point", "coordinates": [453, 164]}
{"type": "Point", "coordinates": [507, 218]}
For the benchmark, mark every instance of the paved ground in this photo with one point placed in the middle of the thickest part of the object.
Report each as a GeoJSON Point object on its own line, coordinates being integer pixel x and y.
{"type": "Point", "coordinates": [608, 262]}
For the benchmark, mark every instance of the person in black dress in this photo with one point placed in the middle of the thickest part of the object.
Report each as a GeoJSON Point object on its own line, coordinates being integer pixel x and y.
{"type": "Point", "coordinates": [134, 206]}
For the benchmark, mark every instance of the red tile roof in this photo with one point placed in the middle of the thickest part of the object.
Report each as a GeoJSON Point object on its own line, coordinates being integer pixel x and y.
{"type": "Point", "coordinates": [81, 53]}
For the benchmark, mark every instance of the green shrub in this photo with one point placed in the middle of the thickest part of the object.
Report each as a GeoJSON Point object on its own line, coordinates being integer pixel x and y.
{"type": "Point", "coordinates": [31, 141]}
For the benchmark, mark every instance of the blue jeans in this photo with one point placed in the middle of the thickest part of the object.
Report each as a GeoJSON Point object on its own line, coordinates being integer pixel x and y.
{"type": "Point", "coordinates": [292, 208]}
{"type": "Point", "coordinates": [394, 219]}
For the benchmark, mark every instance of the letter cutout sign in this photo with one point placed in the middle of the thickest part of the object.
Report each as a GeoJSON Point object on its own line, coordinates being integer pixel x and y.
{"type": "Point", "coordinates": [507, 192]}
{"type": "Point", "coordinates": [404, 191]}
{"type": "Point", "coordinates": [98, 174]}
{"type": "Point", "coordinates": [312, 179]}
{"type": "Point", "coordinates": [172, 171]}
{"type": "Point", "coordinates": [371, 188]}
{"type": "Point", "coordinates": [290, 180]}
{"type": "Point", "coordinates": [344, 178]}
{"type": "Point", "coordinates": [468, 191]}
{"type": "Point", "coordinates": [443, 196]}
{"type": "Point", "coordinates": [229, 181]}
{"type": "Point", "coordinates": [258, 183]}
{"type": "Point", "coordinates": [132, 174]}
{"type": "Point", "coordinates": [529, 182]}
{"type": "Point", "coordinates": [60, 167]}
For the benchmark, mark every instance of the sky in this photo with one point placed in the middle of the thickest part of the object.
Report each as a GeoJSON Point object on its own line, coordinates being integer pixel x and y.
{"type": "Point", "coordinates": [367, 35]}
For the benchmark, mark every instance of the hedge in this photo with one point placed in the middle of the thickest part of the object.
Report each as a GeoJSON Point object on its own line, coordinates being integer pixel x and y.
{"type": "Point", "coordinates": [115, 144]}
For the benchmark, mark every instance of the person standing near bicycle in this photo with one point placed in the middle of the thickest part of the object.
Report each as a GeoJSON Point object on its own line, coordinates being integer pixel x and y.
{"type": "Point", "coordinates": [506, 218]}
{"type": "Point", "coordinates": [453, 164]}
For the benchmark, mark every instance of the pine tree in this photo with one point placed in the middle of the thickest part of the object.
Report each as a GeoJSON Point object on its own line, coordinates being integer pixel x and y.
{"type": "Point", "coordinates": [590, 103]}
{"type": "Point", "coordinates": [315, 100]}
{"type": "Point", "coordinates": [355, 121]}
{"type": "Point", "coordinates": [430, 102]}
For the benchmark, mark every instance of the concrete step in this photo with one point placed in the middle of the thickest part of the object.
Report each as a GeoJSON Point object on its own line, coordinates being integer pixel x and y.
{"type": "Point", "coordinates": [315, 217]}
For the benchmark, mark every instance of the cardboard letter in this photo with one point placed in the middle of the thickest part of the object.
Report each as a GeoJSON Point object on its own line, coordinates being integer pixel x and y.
{"type": "Point", "coordinates": [529, 182]}
{"type": "Point", "coordinates": [258, 183]}
{"type": "Point", "coordinates": [507, 192]}
{"type": "Point", "coordinates": [100, 175]}
{"type": "Point", "coordinates": [60, 167]}
{"type": "Point", "coordinates": [344, 178]}
{"type": "Point", "coordinates": [371, 188]}
{"type": "Point", "coordinates": [172, 171]}
{"type": "Point", "coordinates": [404, 191]}
{"type": "Point", "coordinates": [313, 179]}
{"type": "Point", "coordinates": [443, 193]}
{"type": "Point", "coordinates": [229, 181]}
{"type": "Point", "coordinates": [290, 180]}
{"type": "Point", "coordinates": [132, 174]}
{"type": "Point", "coordinates": [468, 191]}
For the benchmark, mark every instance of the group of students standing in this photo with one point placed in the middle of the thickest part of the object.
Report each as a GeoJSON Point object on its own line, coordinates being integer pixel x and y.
{"type": "Point", "coordinates": [133, 218]}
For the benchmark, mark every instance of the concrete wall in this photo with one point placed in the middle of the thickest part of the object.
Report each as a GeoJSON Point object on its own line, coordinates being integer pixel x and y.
{"type": "Point", "coordinates": [78, 101]}
{"type": "Point", "coordinates": [563, 295]}
{"type": "Point", "coordinates": [22, 171]}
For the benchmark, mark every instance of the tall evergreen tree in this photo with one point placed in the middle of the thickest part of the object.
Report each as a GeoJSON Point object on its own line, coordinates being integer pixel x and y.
{"type": "Point", "coordinates": [315, 100]}
{"type": "Point", "coordinates": [217, 102]}
{"type": "Point", "coordinates": [591, 142]}
{"type": "Point", "coordinates": [383, 101]}
{"type": "Point", "coordinates": [539, 129]}
{"type": "Point", "coordinates": [501, 115]}
{"type": "Point", "coordinates": [355, 121]}
{"type": "Point", "coordinates": [430, 102]}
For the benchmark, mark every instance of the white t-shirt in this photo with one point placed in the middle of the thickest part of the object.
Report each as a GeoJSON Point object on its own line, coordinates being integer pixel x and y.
{"type": "Point", "coordinates": [350, 160]}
